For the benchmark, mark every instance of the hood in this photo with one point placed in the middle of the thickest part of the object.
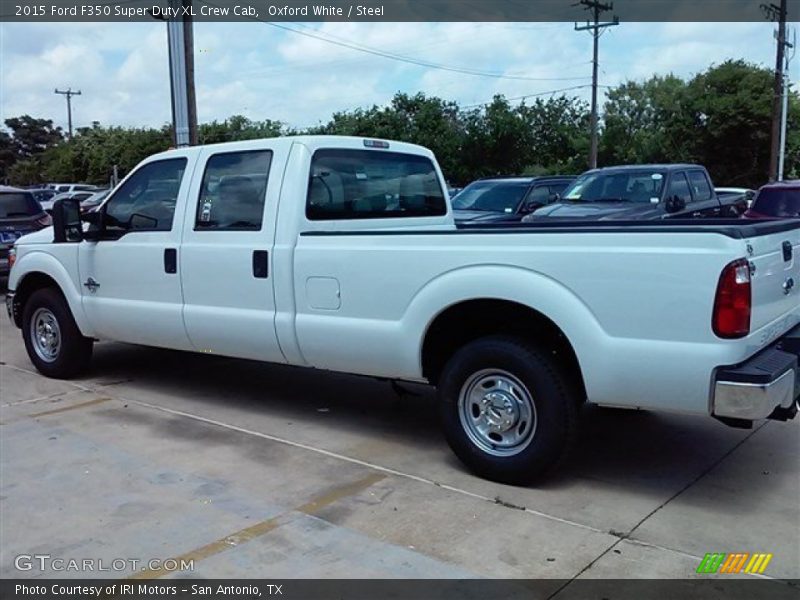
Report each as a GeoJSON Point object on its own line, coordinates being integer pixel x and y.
{"type": "Point", "coordinates": [598, 211]}
{"type": "Point", "coordinates": [482, 216]}
{"type": "Point", "coordinates": [43, 236]}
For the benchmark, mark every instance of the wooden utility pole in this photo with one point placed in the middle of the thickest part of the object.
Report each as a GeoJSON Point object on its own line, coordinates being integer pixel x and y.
{"type": "Point", "coordinates": [777, 13]}
{"type": "Point", "coordinates": [69, 94]}
{"type": "Point", "coordinates": [596, 28]}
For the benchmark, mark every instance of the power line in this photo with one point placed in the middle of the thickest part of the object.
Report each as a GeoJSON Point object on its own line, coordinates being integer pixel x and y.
{"type": "Point", "coordinates": [526, 96]}
{"type": "Point", "coordinates": [409, 59]}
{"type": "Point", "coordinates": [68, 93]}
{"type": "Point", "coordinates": [596, 28]}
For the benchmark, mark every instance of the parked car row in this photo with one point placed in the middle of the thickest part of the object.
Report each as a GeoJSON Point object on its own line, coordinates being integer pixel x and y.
{"type": "Point", "coordinates": [622, 193]}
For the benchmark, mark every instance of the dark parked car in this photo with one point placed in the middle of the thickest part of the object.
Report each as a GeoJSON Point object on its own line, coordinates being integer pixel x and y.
{"type": "Point", "coordinates": [20, 213]}
{"type": "Point", "coordinates": [642, 192]}
{"type": "Point", "coordinates": [507, 198]}
{"type": "Point", "coordinates": [780, 200]}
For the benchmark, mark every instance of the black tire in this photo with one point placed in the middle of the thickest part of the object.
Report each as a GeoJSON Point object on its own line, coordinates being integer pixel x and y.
{"type": "Point", "coordinates": [74, 350]}
{"type": "Point", "coordinates": [555, 409]}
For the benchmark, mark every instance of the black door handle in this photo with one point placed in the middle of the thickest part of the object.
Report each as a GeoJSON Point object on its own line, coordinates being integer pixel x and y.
{"type": "Point", "coordinates": [170, 260]}
{"type": "Point", "coordinates": [260, 264]}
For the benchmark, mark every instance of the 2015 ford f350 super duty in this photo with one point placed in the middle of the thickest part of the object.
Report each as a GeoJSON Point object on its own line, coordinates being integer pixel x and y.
{"type": "Point", "coordinates": [342, 254]}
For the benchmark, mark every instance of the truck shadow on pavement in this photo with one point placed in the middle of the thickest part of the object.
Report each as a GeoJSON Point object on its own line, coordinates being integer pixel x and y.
{"type": "Point", "coordinates": [638, 449]}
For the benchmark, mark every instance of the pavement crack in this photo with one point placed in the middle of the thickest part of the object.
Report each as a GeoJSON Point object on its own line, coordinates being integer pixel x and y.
{"type": "Point", "coordinates": [500, 502]}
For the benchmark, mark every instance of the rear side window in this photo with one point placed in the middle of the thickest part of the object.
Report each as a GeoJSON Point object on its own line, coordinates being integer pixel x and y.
{"type": "Point", "coordinates": [700, 186]}
{"type": "Point", "coordinates": [146, 200]}
{"type": "Point", "coordinates": [233, 191]}
{"type": "Point", "coordinates": [678, 186]}
{"type": "Point", "coordinates": [18, 204]}
{"type": "Point", "coordinates": [776, 202]}
{"type": "Point", "coordinates": [368, 184]}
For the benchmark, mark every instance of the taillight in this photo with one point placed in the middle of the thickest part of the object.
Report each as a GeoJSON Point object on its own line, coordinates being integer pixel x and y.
{"type": "Point", "coordinates": [45, 221]}
{"type": "Point", "coordinates": [733, 302]}
{"type": "Point", "coordinates": [12, 256]}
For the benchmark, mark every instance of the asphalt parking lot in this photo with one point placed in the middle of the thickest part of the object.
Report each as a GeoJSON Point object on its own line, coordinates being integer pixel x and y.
{"type": "Point", "coordinates": [255, 470]}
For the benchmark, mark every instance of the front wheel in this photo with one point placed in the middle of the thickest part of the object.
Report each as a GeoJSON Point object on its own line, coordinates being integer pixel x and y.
{"type": "Point", "coordinates": [53, 341]}
{"type": "Point", "coordinates": [506, 409]}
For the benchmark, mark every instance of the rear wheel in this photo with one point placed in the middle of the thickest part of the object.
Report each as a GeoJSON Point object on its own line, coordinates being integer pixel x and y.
{"type": "Point", "coordinates": [53, 341]}
{"type": "Point", "coordinates": [506, 409]}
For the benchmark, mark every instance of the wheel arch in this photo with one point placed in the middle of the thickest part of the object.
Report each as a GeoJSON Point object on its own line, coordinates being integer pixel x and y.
{"type": "Point", "coordinates": [491, 300]}
{"type": "Point", "coordinates": [42, 270]}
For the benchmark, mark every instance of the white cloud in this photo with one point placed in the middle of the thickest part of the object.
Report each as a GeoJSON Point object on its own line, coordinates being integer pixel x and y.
{"type": "Point", "coordinates": [262, 71]}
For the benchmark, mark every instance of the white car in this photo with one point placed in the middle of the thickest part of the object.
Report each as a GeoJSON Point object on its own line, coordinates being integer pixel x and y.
{"type": "Point", "coordinates": [342, 254]}
{"type": "Point", "coordinates": [80, 196]}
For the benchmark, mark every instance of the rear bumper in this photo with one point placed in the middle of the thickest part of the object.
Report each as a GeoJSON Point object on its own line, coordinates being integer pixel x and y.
{"type": "Point", "coordinates": [766, 385]}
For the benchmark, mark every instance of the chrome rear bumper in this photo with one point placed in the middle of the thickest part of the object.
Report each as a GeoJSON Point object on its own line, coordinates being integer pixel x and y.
{"type": "Point", "coordinates": [765, 385]}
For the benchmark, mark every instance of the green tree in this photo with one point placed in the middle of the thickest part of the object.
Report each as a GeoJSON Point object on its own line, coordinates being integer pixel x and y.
{"type": "Point", "coordinates": [31, 137]}
{"type": "Point", "coordinates": [648, 122]}
{"type": "Point", "coordinates": [731, 106]}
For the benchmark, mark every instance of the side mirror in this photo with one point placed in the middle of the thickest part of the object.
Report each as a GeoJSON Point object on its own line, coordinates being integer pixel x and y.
{"type": "Point", "coordinates": [67, 226]}
{"type": "Point", "coordinates": [674, 204]}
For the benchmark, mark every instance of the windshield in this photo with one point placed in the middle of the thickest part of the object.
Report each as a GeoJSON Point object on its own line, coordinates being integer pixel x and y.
{"type": "Point", "coordinates": [18, 204]}
{"type": "Point", "coordinates": [491, 196]}
{"type": "Point", "coordinates": [627, 186]}
{"type": "Point", "coordinates": [778, 203]}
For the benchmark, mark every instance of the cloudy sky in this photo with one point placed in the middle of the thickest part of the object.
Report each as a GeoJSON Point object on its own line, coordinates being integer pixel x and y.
{"type": "Point", "coordinates": [262, 71]}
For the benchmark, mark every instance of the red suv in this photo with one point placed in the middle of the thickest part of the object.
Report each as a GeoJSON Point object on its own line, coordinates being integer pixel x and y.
{"type": "Point", "coordinates": [779, 200]}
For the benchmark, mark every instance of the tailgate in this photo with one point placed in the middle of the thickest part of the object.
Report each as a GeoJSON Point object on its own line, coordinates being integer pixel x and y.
{"type": "Point", "coordinates": [776, 281]}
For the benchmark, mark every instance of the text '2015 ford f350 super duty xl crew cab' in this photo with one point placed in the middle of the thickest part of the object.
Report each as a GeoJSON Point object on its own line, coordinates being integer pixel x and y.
{"type": "Point", "coordinates": [342, 254]}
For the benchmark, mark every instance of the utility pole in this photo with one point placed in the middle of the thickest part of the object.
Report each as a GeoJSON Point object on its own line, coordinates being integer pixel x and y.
{"type": "Point", "coordinates": [69, 94]}
{"type": "Point", "coordinates": [777, 13]}
{"type": "Point", "coordinates": [596, 28]}
{"type": "Point", "coordinates": [785, 107]}
{"type": "Point", "coordinates": [180, 40]}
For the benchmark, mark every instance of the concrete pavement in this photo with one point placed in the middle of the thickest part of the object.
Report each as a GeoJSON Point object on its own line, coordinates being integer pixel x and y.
{"type": "Point", "coordinates": [253, 470]}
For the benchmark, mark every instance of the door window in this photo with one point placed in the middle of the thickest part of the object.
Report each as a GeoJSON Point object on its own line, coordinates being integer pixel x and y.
{"type": "Point", "coordinates": [700, 186]}
{"type": "Point", "coordinates": [146, 200]}
{"type": "Point", "coordinates": [233, 191]}
{"type": "Point", "coordinates": [679, 186]}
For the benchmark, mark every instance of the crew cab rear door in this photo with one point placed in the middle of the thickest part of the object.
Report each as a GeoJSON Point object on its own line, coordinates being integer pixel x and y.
{"type": "Point", "coordinates": [226, 253]}
{"type": "Point", "coordinates": [775, 258]}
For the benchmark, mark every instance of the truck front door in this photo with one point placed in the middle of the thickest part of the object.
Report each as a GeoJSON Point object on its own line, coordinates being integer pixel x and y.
{"type": "Point", "coordinates": [131, 292]}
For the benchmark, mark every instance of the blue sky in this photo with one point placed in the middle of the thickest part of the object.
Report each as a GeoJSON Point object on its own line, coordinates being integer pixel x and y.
{"type": "Point", "coordinates": [263, 71]}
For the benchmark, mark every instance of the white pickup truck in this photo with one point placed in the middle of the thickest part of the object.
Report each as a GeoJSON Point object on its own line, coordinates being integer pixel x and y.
{"type": "Point", "coordinates": [342, 254]}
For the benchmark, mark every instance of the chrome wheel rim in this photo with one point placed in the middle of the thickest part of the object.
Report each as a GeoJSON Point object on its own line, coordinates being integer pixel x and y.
{"type": "Point", "coordinates": [45, 335]}
{"type": "Point", "coordinates": [497, 412]}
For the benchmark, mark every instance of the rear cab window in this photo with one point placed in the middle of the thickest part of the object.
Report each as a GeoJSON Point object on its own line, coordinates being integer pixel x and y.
{"type": "Point", "coordinates": [778, 202]}
{"type": "Point", "coordinates": [368, 184]}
